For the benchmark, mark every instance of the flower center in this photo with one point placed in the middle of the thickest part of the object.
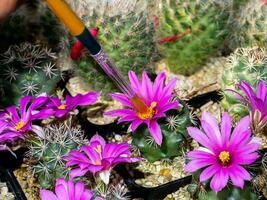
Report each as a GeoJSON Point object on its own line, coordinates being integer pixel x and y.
{"type": "Point", "coordinates": [62, 107]}
{"type": "Point", "coordinates": [149, 112]}
{"type": "Point", "coordinates": [98, 162]}
{"type": "Point", "coordinates": [98, 149]}
{"type": "Point", "coordinates": [224, 158]}
{"type": "Point", "coordinates": [20, 125]}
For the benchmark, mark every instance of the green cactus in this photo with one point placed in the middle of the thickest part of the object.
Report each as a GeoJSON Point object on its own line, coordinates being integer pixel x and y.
{"type": "Point", "coordinates": [58, 142]}
{"type": "Point", "coordinates": [203, 26]}
{"type": "Point", "coordinates": [233, 193]}
{"type": "Point", "coordinates": [27, 69]}
{"type": "Point", "coordinates": [174, 136]}
{"type": "Point", "coordinates": [127, 37]}
{"type": "Point", "coordinates": [250, 25]}
{"type": "Point", "coordinates": [32, 22]}
{"type": "Point", "coordinates": [249, 64]}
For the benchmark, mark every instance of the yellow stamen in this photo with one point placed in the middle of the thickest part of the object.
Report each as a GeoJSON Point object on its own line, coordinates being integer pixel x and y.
{"type": "Point", "coordinates": [98, 162]}
{"type": "Point", "coordinates": [149, 113]}
{"type": "Point", "coordinates": [62, 107]}
{"type": "Point", "coordinates": [224, 158]}
{"type": "Point", "coordinates": [139, 104]}
{"type": "Point", "coordinates": [98, 149]}
{"type": "Point", "coordinates": [20, 125]}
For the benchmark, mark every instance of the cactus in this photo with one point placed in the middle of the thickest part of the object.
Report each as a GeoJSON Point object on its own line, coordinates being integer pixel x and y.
{"type": "Point", "coordinates": [58, 142]}
{"type": "Point", "coordinates": [249, 64]}
{"type": "Point", "coordinates": [250, 25]}
{"type": "Point", "coordinates": [32, 22]}
{"type": "Point", "coordinates": [191, 31]}
{"type": "Point", "coordinates": [174, 136]}
{"type": "Point", "coordinates": [128, 39]}
{"type": "Point", "coordinates": [199, 191]}
{"type": "Point", "coordinates": [27, 69]}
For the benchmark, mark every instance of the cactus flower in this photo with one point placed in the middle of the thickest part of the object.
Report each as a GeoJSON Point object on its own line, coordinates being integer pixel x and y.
{"type": "Point", "coordinates": [256, 101]}
{"type": "Point", "coordinates": [68, 190]}
{"type": "Point", "coordinates": [99, 157]}
{"type": "Point", "coordinates": [224, 151]}
{"type": "Point", "coordinates": [157, 98]}
{"type": "Point", "coordinates": [15, 124]}
{"type": "Point", "coordinates": [63, 107]}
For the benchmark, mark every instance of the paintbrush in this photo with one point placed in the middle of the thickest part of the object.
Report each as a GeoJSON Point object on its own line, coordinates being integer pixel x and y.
{"type": "Point", "coordinates": [77, 28]}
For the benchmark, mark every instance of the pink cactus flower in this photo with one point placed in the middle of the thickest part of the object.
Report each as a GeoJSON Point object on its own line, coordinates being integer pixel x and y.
{"type": "Point", "coordinates": [224, 151]}
{"type": "Point", "coordinates": [256, 102]}
{"type": "Point", "coordinates": [99, 157]}
{"type": "Point", "coordinates": [158, 99]}
{"type": "Point", "coordinates": [68, 190]}
{"type": "Point", "coordinates": [63, 107]}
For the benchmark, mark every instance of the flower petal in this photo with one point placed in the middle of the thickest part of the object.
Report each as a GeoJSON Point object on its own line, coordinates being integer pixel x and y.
{"type": "Point", "coordinates": [261, 90]}
{"type": "Point", "coordinates": [241, 127]}
{"type": "Point", "coordinates": [48, 195]}
{"type": "Point", "coordinates": [200, 137]}
{"type": "Point", "coordinates": [208, 173]}
{"type": "Point", "coordinates": [219, 180]}
{"type": "Point", "coordinates": [211, 128]}
{"type": "Point", "coordinates": [122, 98]}
{"type": "Point", "coordinates": [135, 124]}
{"type": "Point", "coordinates": [134, 81]}
{"type": "Point", "coordinates": [226, 127]}
{"type": "Point", "coordinates": [197, 164]}
{"type": "Point", "coordinates": [155, 131]}
{"type": "Point", "coordinates": [120, 112]}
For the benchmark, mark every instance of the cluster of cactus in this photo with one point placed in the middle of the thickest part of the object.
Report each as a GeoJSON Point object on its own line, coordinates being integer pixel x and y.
{"type": "Point", "coordinates": [193, 30]}
{"type": "Point", "coordinates": [250, 25]}
{"type": "Point", "coordinates": [249, 64]}
{"type": "Point", "coordinates": [127, 37]}
{"type": "Point", "coordinates": [175, 136]}
{"type": "Point", "coordinates": [49, 152]}
{"type": "Point", "coordinates": [27, 69]}
{"type": "Point", "coordinates": [202, 192]}
{"type": "Point", "coordinates": [32, 22]}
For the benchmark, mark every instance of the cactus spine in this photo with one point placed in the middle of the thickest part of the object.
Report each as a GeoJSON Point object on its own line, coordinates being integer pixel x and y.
{"type": "Point", "coordinates": [250, 25]}
{"type": "Point", "coordinates": [49, 152]}
{"type": "Point", "coordinates": [27, 69]}
{"type": "Point", "coordinates": [249, 64]}
{"type": "Point", "coordinates": [127, 36]}
{"type": "Point", "coordinates": [193, 31]}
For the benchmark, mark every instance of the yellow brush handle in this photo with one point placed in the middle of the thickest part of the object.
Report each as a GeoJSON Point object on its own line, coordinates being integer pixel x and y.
{"type": "Point", "coordinates": [67, 16]}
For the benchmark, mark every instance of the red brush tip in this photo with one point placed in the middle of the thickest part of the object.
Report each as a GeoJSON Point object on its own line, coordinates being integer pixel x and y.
{"type": "Point", "coordinates": [77, 48]}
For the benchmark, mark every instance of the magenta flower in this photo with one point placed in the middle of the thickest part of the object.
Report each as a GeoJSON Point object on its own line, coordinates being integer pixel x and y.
{"type": "Point", "coordinates": [99, 157]}
{"type": "Point", "coordinates": [224, 151]}
{"type": "Point", "coordinates": [157, 98]}
{"type": "Point", "coordinates": [256, 101]}
{"type": "Point", "coordinates": [15, 122]}
{"type": "Point", "coordinates": [68, 190]}
{"type": "Point", "coordinates": [63, 107]}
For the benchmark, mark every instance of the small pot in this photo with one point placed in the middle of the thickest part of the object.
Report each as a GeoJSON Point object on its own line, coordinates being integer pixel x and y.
{"type": "Point", "coordinates": [153, 193]}
{"type": "Point", "coordinates": [200, 100]}
{"type": "Point", "coordinates": [8, 163]}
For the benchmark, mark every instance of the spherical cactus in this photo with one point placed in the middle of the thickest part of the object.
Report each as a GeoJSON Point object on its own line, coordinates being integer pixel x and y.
{"type": "Point", "coordinates": [249, 64]}
{"type": "Point", "coordinates": [33, 22]}
{"type": "Point", "coordinates": [127, 37]}
{"type": "Point", "coordinates": [27, 69]}
{"type": "Point", "coordinates": [190, 31]}
{"type": "Point", "coordinates": [58, 142]}
{"type": "Point", "coordinates": [250, 25]}
{"type": "Point", "coordinates": [174, 136]}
